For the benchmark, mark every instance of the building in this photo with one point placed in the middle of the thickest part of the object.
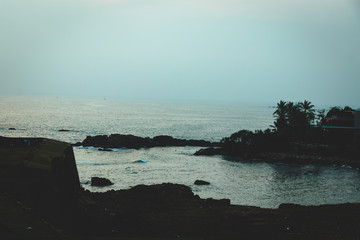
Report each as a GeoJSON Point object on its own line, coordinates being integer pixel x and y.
{"type": "Point", "coordinates": [345, 123]}
{"type": "Point", "coordinates": [357, 119]}
{"type": "Point", "coordinates": [357, 126]}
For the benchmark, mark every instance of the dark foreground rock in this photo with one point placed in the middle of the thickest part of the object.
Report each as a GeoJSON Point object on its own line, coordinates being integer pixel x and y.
{"type": "Point", "coordinates": [131, 141]}
{"type": "Point", "coordinates": [41, 198]}
{"type": "Point", "coordinates": [100, 182]}
{"type": "Point", "coordinates": [39, 183]}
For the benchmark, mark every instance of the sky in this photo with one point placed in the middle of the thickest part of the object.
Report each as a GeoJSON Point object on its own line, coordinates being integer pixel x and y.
{"type": "Point", "coordinates": [183, 50]}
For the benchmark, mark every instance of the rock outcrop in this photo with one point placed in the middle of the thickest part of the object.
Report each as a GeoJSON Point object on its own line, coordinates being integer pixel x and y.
{"type": "Point", "coordinates": [100, 182]}
{"type": "Point", "coordinates": [135, 142]}
{"type": "Point", "coordinates": [211, 151]}
{"type": "Point", "coordinates": [201, 182]}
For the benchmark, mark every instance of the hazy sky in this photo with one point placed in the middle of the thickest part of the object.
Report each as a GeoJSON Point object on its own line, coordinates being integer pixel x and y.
{"type": "Point", "coordinates": [218, 50]}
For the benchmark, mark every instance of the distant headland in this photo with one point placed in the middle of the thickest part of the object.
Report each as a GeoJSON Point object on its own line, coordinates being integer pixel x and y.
{"type": "Point", "coordinates": [299, 135]}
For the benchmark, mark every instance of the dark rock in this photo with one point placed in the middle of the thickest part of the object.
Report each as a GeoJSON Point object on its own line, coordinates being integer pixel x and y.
{"type": "Point", "coordinates": [100, 182]}
{"type": "Point", "coordinates": [20, 142]}
{"type": "Point", "coordinates": [201, 182]}
{"type": "Point", "coordinates": [167, 140]}
{"type": "Point", "coordinates": [216, 202]}
{"type": "Point", "coordinates": [211, 151]}
{"type": "Point", "coordinates": [12, 129]}
{"type": "Point", "coordinates": [289, 206]}
{"type": "Point", "coordinates": [131, 141]}
{"type": "Point", "coordinates": [225, 201]}
{"type": "Point", "coordinates": [117, 141]}
{"type": "Point", "coordinates": [105, 149]}
{"type": "Point", "coordinates": [65, 173]}
{"type": "Point", "coordinates": [77, 144]}
{"type": "Point", "coordinates": [95, 141]}
{"type": "Point", "coordinates": [161, 191]}
{"type": "Point", "coordinates": [140, 161]}
{"type": "Point", "coordinates": [170, 141]}
{"type": "Point", "coordinates": [45, 180]}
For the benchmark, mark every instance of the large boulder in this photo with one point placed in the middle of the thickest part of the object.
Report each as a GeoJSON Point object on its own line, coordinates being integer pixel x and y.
{"type": "Point", "coordinates": [100, 182]}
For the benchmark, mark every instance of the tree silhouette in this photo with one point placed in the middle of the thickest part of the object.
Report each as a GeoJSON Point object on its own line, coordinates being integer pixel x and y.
{"type": "Point", "coordinates": [308, 111]}
{"type": "Point", "coordinates": [290, 115]}
{"type": "Point", "coordinates": [280, 115]}
{"type": "Point", "coordinates": [320, 117]}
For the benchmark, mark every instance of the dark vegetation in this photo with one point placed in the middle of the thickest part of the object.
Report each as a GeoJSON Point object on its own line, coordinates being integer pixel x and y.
{"type": "Point", "coordinates": [41, 198]}
{"type": "Point", "coordinates": [297, 129]}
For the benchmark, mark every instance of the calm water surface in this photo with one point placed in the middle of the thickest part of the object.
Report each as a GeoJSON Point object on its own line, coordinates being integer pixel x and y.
{"type": "Point", "coordinates": [245, 182]}
{"type": "Point", "coordinates": [43, 117]}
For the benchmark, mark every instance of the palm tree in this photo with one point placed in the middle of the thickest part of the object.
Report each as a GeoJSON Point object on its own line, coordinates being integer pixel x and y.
{"type": "Point", "coordinates": [280, 115]}
{"type": "Point", "coordinates": [293, 115]}
{"type": "Point", "coordinates": [308, 110]}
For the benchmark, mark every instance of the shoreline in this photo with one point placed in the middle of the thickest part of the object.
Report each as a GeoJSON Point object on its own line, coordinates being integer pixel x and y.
{"type": "Point", "coordinates": [282, 157]}
{"type": "Point", "coordinates": [107, 142]}
{"type": "Point", "coordinates": [41, 185]}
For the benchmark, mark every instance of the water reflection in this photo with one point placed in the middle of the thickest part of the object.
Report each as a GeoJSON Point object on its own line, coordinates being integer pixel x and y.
{"type": "Point", "coordinates": [276, 183]}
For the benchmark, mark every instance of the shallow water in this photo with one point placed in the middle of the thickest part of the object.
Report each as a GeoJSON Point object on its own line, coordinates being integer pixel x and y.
{"type": "Point", "coordinates": [246, 182]}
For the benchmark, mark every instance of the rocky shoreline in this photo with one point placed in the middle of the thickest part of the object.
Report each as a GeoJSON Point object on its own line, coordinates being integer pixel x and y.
{"type": "Point", "coordinates": [41, 198]}
{"type": "Point", "coordinates": [289, 157]}
{"type": "Point", "coordinates": [295, 153]}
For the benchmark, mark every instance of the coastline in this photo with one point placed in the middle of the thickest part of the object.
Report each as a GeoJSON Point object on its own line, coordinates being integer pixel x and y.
{"type": "Point", "coordinates": [40, 184]}
{"type": "Point", "coordinates": [295, 153]}
{"type": "Point", "coordinates": [282, 157]}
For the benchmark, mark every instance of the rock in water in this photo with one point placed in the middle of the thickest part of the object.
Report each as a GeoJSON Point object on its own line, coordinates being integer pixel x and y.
{"type": "Point", "coordinates": [100, 182]}
{"type": "Point", "coordinates": [64, 130]}
{"type": "Point", "coordinates": [201, 182]}
{"type": "Point", "coordinates": [140, 161]}
{"type": "Point", "coordinates": [105, 149]}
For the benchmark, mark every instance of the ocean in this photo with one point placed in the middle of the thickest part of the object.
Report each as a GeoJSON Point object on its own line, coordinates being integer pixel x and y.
{"type": "Point", "coordinates": [246, 182]}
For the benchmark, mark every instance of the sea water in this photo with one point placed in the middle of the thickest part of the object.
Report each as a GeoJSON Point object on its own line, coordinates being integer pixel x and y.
{"type": "Point", "coordinates": [243, 182]}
